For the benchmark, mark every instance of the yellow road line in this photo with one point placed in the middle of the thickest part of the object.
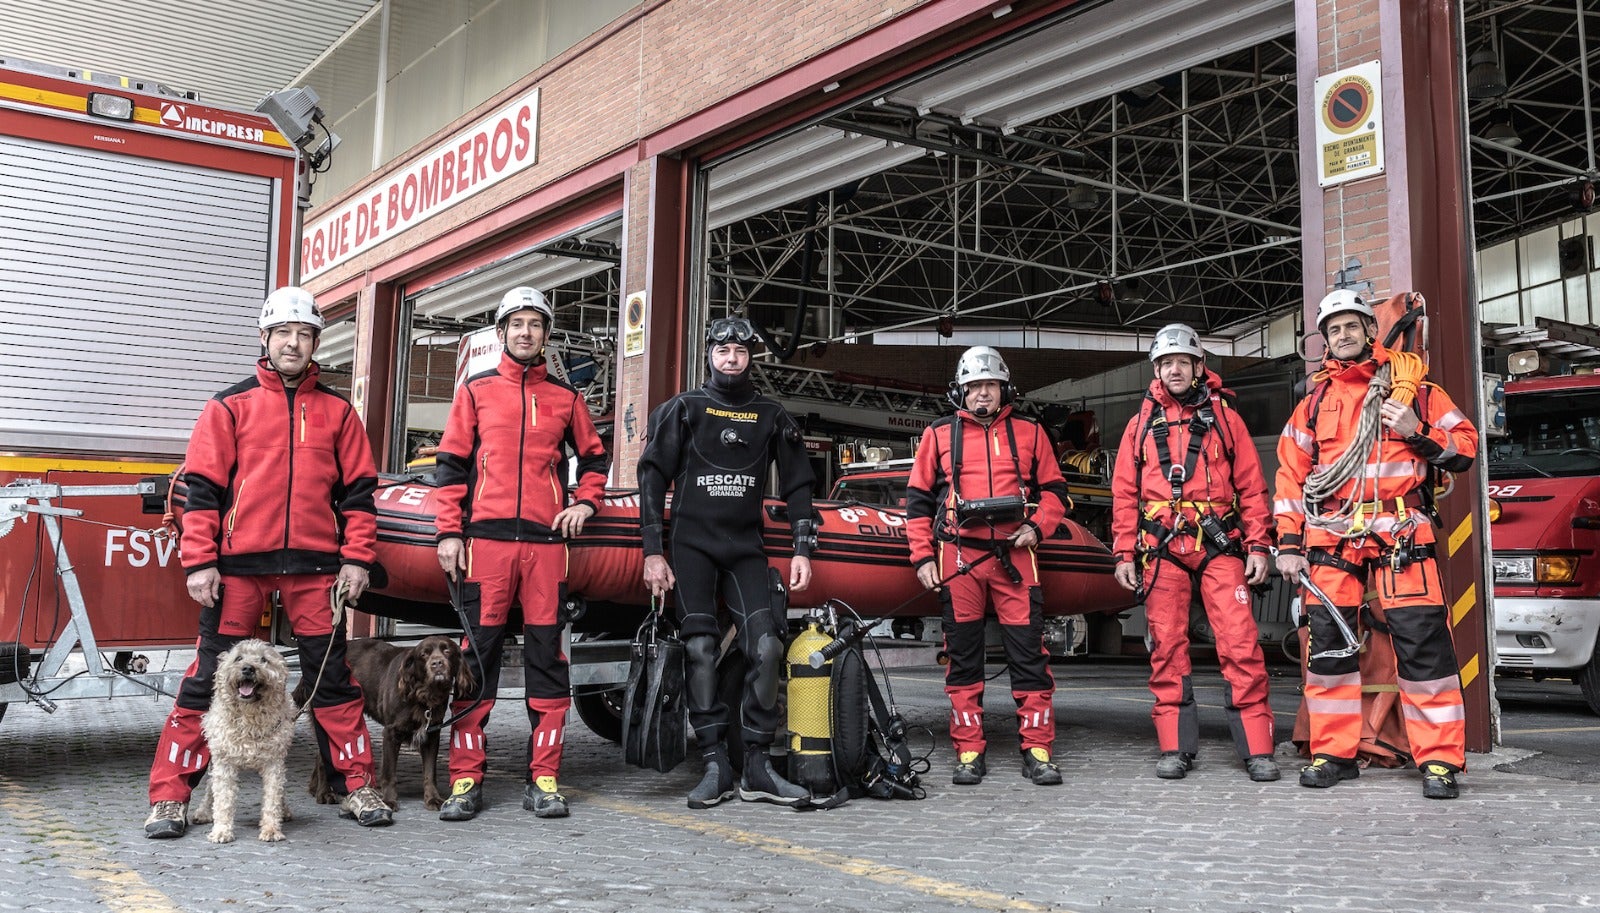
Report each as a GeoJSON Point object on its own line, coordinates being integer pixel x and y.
{"type": "Point", "coordinates": [881, 873]}
{"type": "Point", "coordinates": [119, 887]}
{"type": "Point", "coordinates": [1505, 732]}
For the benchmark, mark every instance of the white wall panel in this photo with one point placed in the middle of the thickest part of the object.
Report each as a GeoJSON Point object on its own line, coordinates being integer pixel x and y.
{"type": "Point", "coordinates": [115, 328]}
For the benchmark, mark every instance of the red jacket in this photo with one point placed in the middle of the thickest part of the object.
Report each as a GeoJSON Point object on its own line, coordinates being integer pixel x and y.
{"type": "Point", "coordinates": [1217, 484]}
{"type": "Point", "coordinates": [501, 457]}
{"type": "Point", "coordinates": [1397, 467]}
{"type": "Point", "coordinates": [987, 471]}
{"type": "Point", "coordinates": [280, 481]}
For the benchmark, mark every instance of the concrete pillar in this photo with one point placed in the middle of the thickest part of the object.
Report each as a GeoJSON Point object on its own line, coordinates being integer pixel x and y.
{"type": "Point", "coordinates": [654, 257]}
{"type": "Point", "coordinates": [1407, 230]}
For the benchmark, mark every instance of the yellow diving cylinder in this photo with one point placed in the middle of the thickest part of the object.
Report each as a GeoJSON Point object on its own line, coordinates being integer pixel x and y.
{"type": "Point", "coordinates": [810, 701]}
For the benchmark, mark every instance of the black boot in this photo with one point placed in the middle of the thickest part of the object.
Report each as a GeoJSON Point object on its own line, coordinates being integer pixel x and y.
{"type": "Point", "coordinates": [1324, 771]}
{"type": "Point", "coordinates": [1439, 780]}
{"type": "Point", "coordinates": [762, 784]}
{"type": "Point", "coordinates": [1174, 765]}
{"type": "Point", "coordinates": [716, 787]}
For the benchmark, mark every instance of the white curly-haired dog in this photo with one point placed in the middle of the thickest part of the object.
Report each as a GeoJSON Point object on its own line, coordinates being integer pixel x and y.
{"type": "Point", "coordinates": [249, 727]}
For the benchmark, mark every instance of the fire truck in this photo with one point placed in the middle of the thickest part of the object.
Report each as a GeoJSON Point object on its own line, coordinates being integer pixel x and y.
{"type": "Point", "coordinates": [141, 230]}
{"type": "Point", "coordinates": [1544, 512]}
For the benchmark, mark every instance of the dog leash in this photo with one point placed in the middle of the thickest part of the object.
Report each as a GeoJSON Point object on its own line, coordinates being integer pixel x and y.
{"type": "Point", "coordinates": [453, 585]}
{"type": "Point", "coordinates": [336, 601]}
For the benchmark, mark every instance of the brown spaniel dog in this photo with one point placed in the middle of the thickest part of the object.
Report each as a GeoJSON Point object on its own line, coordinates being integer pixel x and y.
{"type": "Point", "coordinates": [408, 691]}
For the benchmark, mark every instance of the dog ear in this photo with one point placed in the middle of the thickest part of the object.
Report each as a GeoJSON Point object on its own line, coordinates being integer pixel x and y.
{"type": "Point", "coordinates": [412, 675]}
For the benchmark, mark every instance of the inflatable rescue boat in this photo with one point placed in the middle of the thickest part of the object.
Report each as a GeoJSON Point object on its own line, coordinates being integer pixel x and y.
{"type": "Point", "coordinates": [861, 558]}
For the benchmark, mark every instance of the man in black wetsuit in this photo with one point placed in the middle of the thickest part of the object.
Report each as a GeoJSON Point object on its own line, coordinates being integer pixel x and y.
{"type": "Point", "coordinates": [714, 446]}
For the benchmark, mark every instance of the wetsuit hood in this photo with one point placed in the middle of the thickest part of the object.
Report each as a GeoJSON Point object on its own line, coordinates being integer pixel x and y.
{"type": "Point", "coordinates": [730, 388]}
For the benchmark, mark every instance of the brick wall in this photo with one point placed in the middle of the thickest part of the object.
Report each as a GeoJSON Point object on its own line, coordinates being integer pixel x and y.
{"type": "Point", "coordinates": [1355, 216]}
{"type": "Point", "coordinates": [647, 73]}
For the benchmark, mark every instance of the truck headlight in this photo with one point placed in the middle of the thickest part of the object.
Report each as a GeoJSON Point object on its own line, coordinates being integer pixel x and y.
{"type": "Point", "coordinates": [1555, 568]}
{"type": "Point", "coordinates": [1517, 569]}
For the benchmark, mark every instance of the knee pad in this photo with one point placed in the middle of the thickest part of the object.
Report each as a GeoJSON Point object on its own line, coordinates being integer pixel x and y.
{"type": "Point", "coordinates": [701, 650]}
{"type": "Point", "coordinates": [701, 671]}
{"type": "Point", "coordinates": [769, 659]}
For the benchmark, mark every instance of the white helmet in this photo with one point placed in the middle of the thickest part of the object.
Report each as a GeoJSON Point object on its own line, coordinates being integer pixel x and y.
{"type": "Point", "coordinates": [291, 304]}
{"type": "Point", "coordinates": [1339, 301]}
{"type": "Point", "coordinates": [981, 363]}
{"type": "Point", "coordinates": [524, 298]}
{"type": "Point", "coordinates": [1176, 339]}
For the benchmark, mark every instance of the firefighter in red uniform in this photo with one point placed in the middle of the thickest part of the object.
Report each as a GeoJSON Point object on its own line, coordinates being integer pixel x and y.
{"type": "Point", "coordinates": [1364, 521]}
{"type": "Point", "coordinates": [281, 482]}
{"type": "Point", "coordinates": [503, 520]}
{"type": "Point", "coordinates": [1189, 512]}
{"type": "Point", "coordinates": [985, 490]}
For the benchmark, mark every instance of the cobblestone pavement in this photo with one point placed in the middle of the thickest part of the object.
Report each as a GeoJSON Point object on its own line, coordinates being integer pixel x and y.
{"type": "Point", "coordinates": [1113, 838]}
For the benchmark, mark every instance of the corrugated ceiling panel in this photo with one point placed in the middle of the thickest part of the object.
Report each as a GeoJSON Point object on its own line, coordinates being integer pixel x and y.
{"type": "Point", "coordinates": [232, 55]}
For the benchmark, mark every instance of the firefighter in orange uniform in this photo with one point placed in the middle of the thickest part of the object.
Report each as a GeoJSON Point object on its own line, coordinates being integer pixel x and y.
{"type": "Point", "coordinates": [985, 490]}
{"type": "Point", "coordinates": [1363, 522]}
{"type": "Point", "coordinates": [1189, 512]}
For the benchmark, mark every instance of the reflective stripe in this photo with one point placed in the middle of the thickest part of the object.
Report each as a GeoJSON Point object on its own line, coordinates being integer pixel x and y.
{"type": "Point", "coordinates": [1450, 713]}
{"type": "Point", "coordinates": [1393, 469]}
{"type": "Point", "coordinates": [1331, 682]}
{"type": "Point", "coordinates": [1432, 687]}
{"type": "Point", "coordinates": [1449, 451]}
{"type": "Point", "coordinates": [1449, 420]}
{"type": "Point", "coordinates": [1328, 705]}
{"type": "Point", "coordinates": [1289, 506]}
{"type": "Point", "coordinates": [1302, 439]}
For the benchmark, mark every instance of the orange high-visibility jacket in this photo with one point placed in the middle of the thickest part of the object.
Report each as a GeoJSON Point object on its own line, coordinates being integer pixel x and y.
{"type": "Point", "coordinates": [1397, 467]}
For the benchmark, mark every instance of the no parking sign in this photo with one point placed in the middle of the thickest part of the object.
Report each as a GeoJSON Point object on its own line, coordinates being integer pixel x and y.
{"type": "Point", "coordinates": [1349, 124]}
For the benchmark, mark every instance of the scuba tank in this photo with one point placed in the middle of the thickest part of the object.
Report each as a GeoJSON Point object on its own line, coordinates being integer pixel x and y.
{"type": "Point", "coordinates": [829, 719]}
{"type": "Point", "coordinates": [810, 700]}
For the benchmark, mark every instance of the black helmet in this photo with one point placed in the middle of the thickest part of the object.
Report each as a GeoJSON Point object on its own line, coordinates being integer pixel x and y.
{"type": "Point", "coordinates": [726, 330]}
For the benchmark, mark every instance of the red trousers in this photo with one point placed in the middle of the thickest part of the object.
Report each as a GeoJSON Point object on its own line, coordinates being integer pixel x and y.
{"type": "Point", "coordinates": [1019, 607]}
{"type": "Point", "coordinates": [1170, 584]}
{"type": "Point", "coordinates": [336, 705]}
{"type": "Point", "coordinates": [532, 575]}
{"type": "Point", "coordinates": [1426, 672]}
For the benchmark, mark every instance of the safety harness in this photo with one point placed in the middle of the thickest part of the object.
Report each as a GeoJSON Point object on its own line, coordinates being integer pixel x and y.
{"type": "Point", "coordinates": [1215, 532]}
{"type": "Point", "coordinates": [1405, 550]}
{"type": "Point", "coordinates": [999, 547]}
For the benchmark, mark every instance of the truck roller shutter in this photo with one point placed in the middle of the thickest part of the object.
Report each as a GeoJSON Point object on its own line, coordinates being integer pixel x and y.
{"type": "Point", "coordinates": [129, 290]}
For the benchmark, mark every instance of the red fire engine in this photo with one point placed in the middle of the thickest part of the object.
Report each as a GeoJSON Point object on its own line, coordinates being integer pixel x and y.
{"type": "Point", "coordinates": [142, 230]}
